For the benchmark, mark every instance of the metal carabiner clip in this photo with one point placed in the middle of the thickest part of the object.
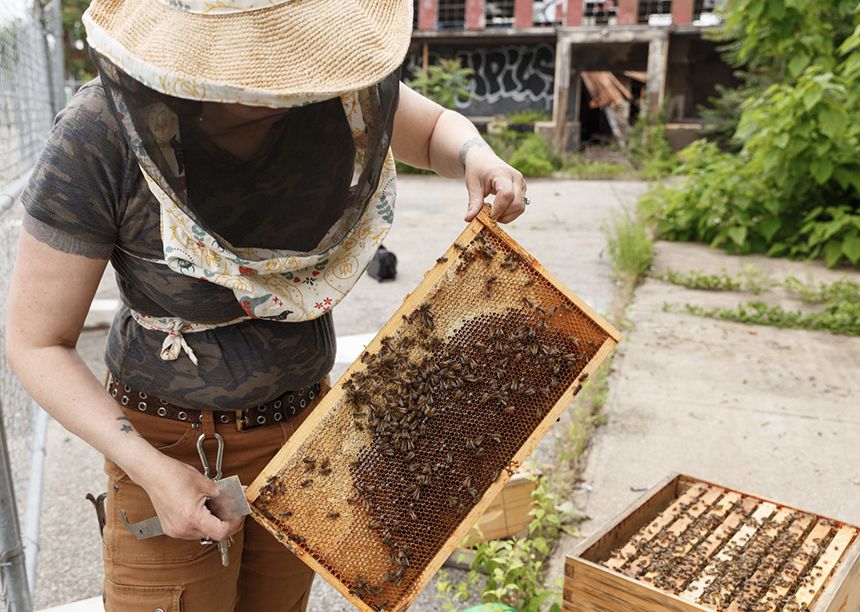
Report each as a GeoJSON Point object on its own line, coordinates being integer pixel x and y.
{"type": "Point", "coordinates": [218, 456]}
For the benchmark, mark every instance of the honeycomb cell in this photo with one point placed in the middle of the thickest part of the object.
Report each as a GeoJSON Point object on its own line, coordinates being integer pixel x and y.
{"type": "Point", "coordinates": [430, 422]}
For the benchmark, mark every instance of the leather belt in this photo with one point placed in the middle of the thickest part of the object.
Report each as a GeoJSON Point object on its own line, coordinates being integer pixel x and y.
{"type": "Point", "coordinates": [286, 407]}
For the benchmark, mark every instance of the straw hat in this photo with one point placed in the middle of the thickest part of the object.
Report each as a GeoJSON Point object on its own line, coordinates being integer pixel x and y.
{"type": "Point", "coordinates": [257, 52]}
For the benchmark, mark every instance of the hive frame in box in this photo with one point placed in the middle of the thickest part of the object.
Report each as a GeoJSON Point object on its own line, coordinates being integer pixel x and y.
{"type": "Point", "coordinates": [274, 494]}
{"type": "Point", "coordinates": [589, 586]}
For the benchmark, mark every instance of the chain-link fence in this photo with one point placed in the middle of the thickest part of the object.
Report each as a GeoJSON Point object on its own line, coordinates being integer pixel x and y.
{"type": "Point", "coordinates": [31, 65]}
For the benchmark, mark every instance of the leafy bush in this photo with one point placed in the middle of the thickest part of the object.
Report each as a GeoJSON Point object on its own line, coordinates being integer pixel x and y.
{"type": "Point", "coordinates": [794, 188]}
{"type": "Point", "coordinates": [528, 116]}
{"type": "Point", "coordinates": [650, 151]}
{"type": "Point", "coordinates": [516, 568]}
{"type": "Point", "coordinates": [444, 83]}
{"type": "Point", "coordinates": [533, 156]}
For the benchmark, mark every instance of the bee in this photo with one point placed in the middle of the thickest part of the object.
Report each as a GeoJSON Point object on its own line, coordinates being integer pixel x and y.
{"type": "Point", "coordinates": [495, 475]}
{"type": "Point", "coordinates": [584, 376]}
{"type": "Point", "coordinates": [374, 525]}
{"type": "Point", "coordinates": [566, 307]}
{"type": "Point", "coordinates": [528, 283]}
{"type": "Point", "coordinates": [325, 471]}
{"type": "Point", "coordinates": [412, 515]}
{"type": "Point", "coordinates": [441, 259]}
{"type": "Point", "coordinates": [528, 302]}
{"type": "Point", "coordinates": [332, 515]}
{"type": "Point", "coordinates": [306, 483]}
{"type": "Point", "coordinates": [285, 514]}
{"type": "Point", "coordinates": [577, 390]}
{"type": "Point", "coordinates": [459, 246]}
{"type": "Point", "coordinates": [552, 312]}
{"type": "Point", "coordinates": [590, 343]}
{"type": "Point", "coordinates": [309, 460]}
{"type": "Point", "coordinates": [296, 538]}
{"type": "Point", "coordinates": [358, 425]}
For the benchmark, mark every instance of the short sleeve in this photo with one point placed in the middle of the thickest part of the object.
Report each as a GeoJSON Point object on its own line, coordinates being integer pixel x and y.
{"type": "Point", "coordinates": [77, 185]}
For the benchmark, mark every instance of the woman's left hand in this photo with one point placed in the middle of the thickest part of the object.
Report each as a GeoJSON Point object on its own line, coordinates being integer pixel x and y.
{"type": "Point", "coordinates": [487, 174]}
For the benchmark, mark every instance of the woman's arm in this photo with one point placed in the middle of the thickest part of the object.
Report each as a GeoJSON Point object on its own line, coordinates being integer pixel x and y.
{"type": "Point", "coordinates": [53, 284]}
{"type": "Point", "coordinates": [431, 137]}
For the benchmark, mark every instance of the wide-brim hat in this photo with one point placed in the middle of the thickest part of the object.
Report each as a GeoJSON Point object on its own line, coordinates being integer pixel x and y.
{"type": "Point", "coordinates": [256, 52]}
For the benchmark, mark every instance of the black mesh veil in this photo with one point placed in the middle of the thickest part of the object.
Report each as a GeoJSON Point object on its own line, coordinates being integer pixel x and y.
{"type": "Point", "coordinates": [146, 115]}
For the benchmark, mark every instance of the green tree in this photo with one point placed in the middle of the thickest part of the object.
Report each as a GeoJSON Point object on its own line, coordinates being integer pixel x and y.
{"type": "Point", "coordinates": [78, 64]}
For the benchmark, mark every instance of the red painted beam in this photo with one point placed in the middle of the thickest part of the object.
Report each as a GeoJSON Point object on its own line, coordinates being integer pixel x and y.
{"type": "Point", "coordinates": [628, 12]}
{"type": "Point", "coordinates": [682, 11]}
{"type": "Point", "coordinates": [523, 13]}
{"type": "Point", "coordinates": [475, 14]}
{"type": "Point", "coordinates": [427, 15]}
{"type": "Point", "coordinates": [574, 12]}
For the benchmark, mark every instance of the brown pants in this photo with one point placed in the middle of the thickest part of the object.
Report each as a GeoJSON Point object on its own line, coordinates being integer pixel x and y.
{"type": "Point", "coordinates": [163, 574]}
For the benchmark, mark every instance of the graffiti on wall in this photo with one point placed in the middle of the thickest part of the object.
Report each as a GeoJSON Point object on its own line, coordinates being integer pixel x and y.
{"type": "Point", "coordinates": [516, 73]}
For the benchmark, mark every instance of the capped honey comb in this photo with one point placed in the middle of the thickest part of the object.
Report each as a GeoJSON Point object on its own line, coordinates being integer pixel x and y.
{"type": "Point", "coordinates": [403, 455]}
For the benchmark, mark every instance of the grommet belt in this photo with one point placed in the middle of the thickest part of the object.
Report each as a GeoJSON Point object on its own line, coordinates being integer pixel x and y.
{"type": "Point", "coordinates": [284, 408]}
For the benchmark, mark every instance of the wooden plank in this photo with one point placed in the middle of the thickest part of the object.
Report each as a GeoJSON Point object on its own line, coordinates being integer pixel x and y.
{"type": "Point", "coordinates": [741, 537]}
{"type": "Point", "coordinates": [754, 590]}
{"type": "Point", "coordinates": [842, 594]}
{"type": "Point", "coordinates": [661, 549]}
{"type": "Point", "coordinates": [650, 531]}
{"type": "Point", "coordinates": [688, 563]}
{"type": "Point", "coordinates": [508, 513]}
{"type": "Point", "coordinates": [825, 565]}
{"type": "Point", "coordinates": [764, 544]}
{"type": "Point", "coordinates": [688, 520]}
{"type": "Point", "coordinates": [787, 578]}
{"type": "Point", "coordinates": [591, 588]}
{"type": "Point", "coordinates": [614, 533]}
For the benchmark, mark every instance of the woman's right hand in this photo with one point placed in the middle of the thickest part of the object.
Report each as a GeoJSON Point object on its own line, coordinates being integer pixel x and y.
{"type": "Point", "coordinates": [179, 494]}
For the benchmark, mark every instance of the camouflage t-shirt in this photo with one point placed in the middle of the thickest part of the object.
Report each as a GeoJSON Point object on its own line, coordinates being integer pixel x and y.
{"type": "Point", "coordinates": [88, 186]}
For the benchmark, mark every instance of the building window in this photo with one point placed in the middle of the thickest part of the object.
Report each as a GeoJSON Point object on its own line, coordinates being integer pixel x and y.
{"type": "Point", "coordinates": [705, 6]}
{"type": "Point", "coordinates": [548, 13]}
{"type": "Point", "coordinates": [452, 14]}
{"type": "Point", "coordinates": [415, 7]}
{"type": "Point", "coordinates": [653, 7]}
{"type": "Point", "coordinates": [599, 12]}
{"type": "Point", "coordinates": [500, 13]}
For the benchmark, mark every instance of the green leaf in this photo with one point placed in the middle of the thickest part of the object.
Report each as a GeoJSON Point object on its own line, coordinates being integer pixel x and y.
{"type": "Point", "coordinates": [812, 97]}
{"type": "Point", "coordinates": [776, 8]}
{"type": "Point", "coordinates": [769, 227]}
{"type": "Point", "coordinates": [781, 140]}
{"type": "Point", "coordinates": [822, 170]}
{"type": "Point", "coordinates": [798, 65]}
{"type": "Point", "coordinates": [738, 234]}
{"type": "Point", "coordinates": [833, 253]}
{"type": "Point", "coordinates": [851, 249]}
{"type": "Point", "coordinates": [833, 121]}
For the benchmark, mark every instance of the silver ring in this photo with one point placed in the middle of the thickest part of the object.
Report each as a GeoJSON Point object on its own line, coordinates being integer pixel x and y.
{"type": "Point", "coordinates": [526, 200]}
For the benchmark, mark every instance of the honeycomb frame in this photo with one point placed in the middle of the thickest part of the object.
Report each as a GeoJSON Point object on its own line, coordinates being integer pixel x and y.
{"type": "Point", "coordinates": [401, 458]}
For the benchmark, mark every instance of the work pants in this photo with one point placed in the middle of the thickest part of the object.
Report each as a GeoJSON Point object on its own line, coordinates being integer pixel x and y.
{"type": "Point", "coordinates": [163, 574]}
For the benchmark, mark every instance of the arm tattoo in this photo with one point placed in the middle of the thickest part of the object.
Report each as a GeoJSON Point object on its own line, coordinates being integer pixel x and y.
{"type": "Point", "coordinates": [477, 141]}
{"type": "Point", "coordinates": [125, 428]}
{"type": "Point", "coordinates": [64, 242]}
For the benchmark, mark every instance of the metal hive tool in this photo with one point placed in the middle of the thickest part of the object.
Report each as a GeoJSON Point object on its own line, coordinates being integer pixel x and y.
{"type": "Point", "coordinates": [403, 455]}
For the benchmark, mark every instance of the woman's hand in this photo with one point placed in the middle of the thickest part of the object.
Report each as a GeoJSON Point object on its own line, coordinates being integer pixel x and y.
{"type": "Point", "coordinates": [487, 174]}
{"type": "Point", "coordinates": [179, 494]}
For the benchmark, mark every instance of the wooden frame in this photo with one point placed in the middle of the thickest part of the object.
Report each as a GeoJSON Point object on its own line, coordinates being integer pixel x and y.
{"type": "Point", "coordinates": [445, 265]}
{"type": "Point", "coordinates": [591, 586]}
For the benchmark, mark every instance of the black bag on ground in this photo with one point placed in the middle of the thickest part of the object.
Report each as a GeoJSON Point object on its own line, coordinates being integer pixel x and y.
{"type": "Point", "coordinates": [383, 266]}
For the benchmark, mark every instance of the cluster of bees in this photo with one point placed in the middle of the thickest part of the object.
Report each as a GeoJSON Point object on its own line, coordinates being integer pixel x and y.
{"type": "Point", "coordinates": [444, 414]}
{"type": "Point", "coordinates": [742, 575]}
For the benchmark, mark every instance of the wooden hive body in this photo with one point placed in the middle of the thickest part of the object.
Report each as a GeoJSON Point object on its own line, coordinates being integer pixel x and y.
{"type": "Point", "coordinates": [381, 483]}
{"type": "Point", "coordinates": [691, 546]}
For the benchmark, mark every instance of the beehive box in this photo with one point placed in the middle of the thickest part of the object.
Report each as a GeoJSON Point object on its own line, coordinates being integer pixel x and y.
{"type": "Point", "coordinates": [691, 546]}
{"type": "Point", "coordinates": [507, 514]}
{"type": "Point", "coordinates": [392, 469]}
